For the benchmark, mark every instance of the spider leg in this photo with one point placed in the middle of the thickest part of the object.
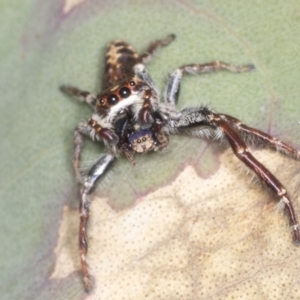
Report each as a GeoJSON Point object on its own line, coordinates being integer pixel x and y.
{"type": "Point", "coordinates": [81, 96]}
{"type": "Point", "coordinates": [150, 98]}
{"type": "Point", "coordinates": [95, 132]}
{"type": "Point", "coordinates": [261, 137]}
{"type": "Point", "coordinates": [147, 56]}
{"type": "Point", "coordinates": [240, 150]}
{"type": "Point", "coordinates": [173, 85]}
{"type": "Point", "coordinates": [88, 184]}
{"type": "Point", "coordinates": [78, 143]}
{"type": "Point", "coordinates": [141, 71]}
{"type": "Point", "coordinates": [220, 127]}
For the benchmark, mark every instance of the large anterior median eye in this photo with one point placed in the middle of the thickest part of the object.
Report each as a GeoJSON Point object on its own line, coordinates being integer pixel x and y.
{"type": "Point", "coordinates": [124, 92]}
{"type": "Point", "coordinates": [112, 99]}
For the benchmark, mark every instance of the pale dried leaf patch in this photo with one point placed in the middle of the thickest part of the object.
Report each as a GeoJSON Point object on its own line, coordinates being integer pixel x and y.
{"type": "Point", "coordinates": [220, 237]}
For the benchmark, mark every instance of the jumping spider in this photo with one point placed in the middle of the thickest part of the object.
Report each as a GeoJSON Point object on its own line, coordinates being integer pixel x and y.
{"type": "Point", "coordinates": [129, 117]}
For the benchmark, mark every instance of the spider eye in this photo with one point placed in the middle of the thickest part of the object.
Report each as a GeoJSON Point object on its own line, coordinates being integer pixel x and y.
{"type": "Point", "coordinates": [102, 101]}
{"type": "Point", "coordinates": [124, 92]}
{"type": "Point", "coordinates": [132, 83]}
{"type": "Point", "coordinates": [112, 99]}
{"type": "Point", "coordinates": [143, 139]}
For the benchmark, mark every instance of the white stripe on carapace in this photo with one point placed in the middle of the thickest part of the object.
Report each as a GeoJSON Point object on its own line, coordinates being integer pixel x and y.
{"type": "Point", "coordinates": [133, 99]}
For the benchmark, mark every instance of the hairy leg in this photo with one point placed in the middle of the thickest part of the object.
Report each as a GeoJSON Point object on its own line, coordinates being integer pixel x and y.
{"type": "Point", "coordinates": [173, 86]}
{"type": "Point", "coordinates": [147, 56]}
{"type": "Point", "coordinates": [240, 150]}
{"type": "Point", "coordinates": [81, 96]}
{"type": "Point", "coordinates": [262, 138]}
{"type": "Point", "coordinates": [88, 184]}
{"type": "Point", "coordinates": [205, 123]}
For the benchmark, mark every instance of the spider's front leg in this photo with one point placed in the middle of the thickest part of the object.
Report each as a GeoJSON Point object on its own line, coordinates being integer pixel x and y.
{"type": "Point", "coordinates": [261, 138]}
{"type": "Point", "coordinates": [88, 184]}
{"type": "Point", "coordinates": [95, 131]}
{"type": "Point", "coordinates": [149, 96]}
{"type": "Point", "coordinates": [241, 151]}
{"type": "Point", "coordinates": [173, 86]}
{"type": "Point", "coordinates": [220, 127]}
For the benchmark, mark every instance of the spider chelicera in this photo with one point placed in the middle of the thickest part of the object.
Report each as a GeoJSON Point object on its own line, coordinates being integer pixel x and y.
{"type": "Point", "coordinates": [129, 118]}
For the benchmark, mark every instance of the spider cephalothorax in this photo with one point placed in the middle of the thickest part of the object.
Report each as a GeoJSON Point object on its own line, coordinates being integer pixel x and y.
{"type": "Point", "coordinates": [129, 118]}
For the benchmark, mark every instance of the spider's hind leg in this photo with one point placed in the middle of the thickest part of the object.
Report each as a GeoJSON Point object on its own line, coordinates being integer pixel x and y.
{"type": "Point", "coordinates": [81, 96]}
{"type": "Point", "coordinates": [154, 46]}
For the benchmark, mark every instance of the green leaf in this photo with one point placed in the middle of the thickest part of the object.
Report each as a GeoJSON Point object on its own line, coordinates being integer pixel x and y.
{"type": "Point", "coordinates": [184, 224]}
